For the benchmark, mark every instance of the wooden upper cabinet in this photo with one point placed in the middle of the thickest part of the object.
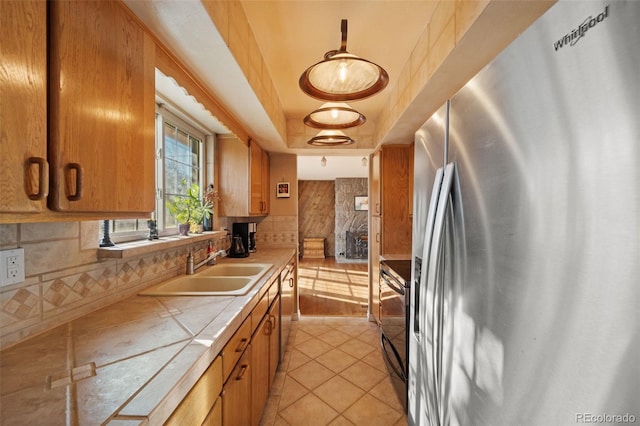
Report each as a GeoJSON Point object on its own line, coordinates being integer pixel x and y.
{"type": "Point", "coordinates": [24, 175]}
{"type": "Point", "coordinates": [374, 197]}
{"type": "Point", "coordinates": [391, 197]}
{"type": "Point", "coordinates": [266, 176]}
{"type": "Point", "coordinates": [396, 178]}
{"type": "Point", "coordinates": [244, 178]}
{"type": "Point", "coordinates": [233, 169]}
{"type": "Point", "coordinates": [101, 109]}
{"type": "Point", "coordinates": [259, 175]}
{"type": "Point", "coordinates": [255, 176]}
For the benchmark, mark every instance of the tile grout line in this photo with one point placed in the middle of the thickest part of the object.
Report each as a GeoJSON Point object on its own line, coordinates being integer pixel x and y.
{"type": "Point", "coordinates": [332, 326]}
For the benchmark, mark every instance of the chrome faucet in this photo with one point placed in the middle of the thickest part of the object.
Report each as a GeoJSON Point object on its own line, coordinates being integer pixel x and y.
{"type": "Point", "coordinates": [209, 260]}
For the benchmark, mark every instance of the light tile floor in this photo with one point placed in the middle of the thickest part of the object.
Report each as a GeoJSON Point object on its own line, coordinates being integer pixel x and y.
{"type": "Point", "coordinates": [333, 374]}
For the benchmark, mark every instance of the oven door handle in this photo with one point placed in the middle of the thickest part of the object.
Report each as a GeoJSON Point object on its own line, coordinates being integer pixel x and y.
{"type": "Point", "coordinates": [385, 276]}
{"type": "Point", "coordinates": [399, 373]}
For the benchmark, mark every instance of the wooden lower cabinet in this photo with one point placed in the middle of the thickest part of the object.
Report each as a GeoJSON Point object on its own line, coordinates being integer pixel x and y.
{"type": "Point", "coordinates": [247, 366]}
{"type": "Point", "coordinates": [236, 394]}
{"type": "Point", "coordinates": [199, 404]}
{"type": "Point", "coordinates": [214, 418]}
{"type": "Point", "coordinates": [287, 289]}
{"type": "Point", "coordinates": [265, 346]}
{"type": "Point", "coordinates": [274, 339]}
{"type": "Point", "coordinates": [260, 372]}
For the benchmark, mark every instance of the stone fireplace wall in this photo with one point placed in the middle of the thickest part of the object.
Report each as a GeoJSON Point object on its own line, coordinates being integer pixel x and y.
{"type": "Point", "coordinates": [347, 217]}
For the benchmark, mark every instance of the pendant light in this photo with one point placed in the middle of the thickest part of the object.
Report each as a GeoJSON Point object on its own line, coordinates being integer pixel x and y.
{"type": "Point", "coordinates": [333, 115]}
{"type": "Point", "coordinates": [330, 138]}
{"type": "Point", "coordinates": [342, 76]}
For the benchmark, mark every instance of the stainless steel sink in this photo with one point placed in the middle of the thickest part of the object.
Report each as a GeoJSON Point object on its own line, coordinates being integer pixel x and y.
{"type": "Point", "coordinates": [218, 280]}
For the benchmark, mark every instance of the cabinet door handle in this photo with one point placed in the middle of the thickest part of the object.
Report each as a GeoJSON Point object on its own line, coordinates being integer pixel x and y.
{"type": "Point", "coordinates": [378, 208]}
{"type": "Point", "coordinates": [267, 328]}
{"type": "Point", "coordinates": [377, 237]}
{"type": "Point", "coordinates": [273, 325]}
{"type": "Point", "coordinates": [243, 345]}
{"type": "Point", "coordinates": [78, 181]}
{"type": "Point", "coordinates": [43, 177]}
{"type": "Point", "coordinates": [291, 282]}
{"type": "Point", "coordinates": [243, 370]}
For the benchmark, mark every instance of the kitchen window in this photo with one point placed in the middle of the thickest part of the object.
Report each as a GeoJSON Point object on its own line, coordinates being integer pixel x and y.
{"type": "Point", "coordinates": [180, 146]}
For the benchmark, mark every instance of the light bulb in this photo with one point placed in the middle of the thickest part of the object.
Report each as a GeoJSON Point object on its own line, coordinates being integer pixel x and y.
{"type": "Point", "coordinates": [342, 71]}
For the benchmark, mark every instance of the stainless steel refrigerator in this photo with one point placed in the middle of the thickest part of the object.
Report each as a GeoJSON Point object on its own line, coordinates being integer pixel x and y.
{"type": "Point", "coordinates": [526, 243]}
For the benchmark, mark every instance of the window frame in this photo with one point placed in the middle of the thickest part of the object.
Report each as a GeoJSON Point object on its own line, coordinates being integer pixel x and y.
{"type": "Point", "coordinates": [166, 113]}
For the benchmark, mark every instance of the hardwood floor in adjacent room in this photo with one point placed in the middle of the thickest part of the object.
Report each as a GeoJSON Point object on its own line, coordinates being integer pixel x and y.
{"type": "Point", "coordinates": [327, 287]}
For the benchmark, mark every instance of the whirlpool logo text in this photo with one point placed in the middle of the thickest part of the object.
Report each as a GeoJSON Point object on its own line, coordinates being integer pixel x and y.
{"type": "Point", "coordinates": [575, 35]}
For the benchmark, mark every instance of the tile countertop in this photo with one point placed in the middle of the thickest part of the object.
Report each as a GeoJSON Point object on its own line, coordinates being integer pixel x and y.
{"type": "Point", "coordinates": [128, 363]}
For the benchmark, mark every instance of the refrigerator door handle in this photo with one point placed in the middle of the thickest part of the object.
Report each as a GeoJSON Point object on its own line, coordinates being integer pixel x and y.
{"type": "Point", "coordinates": [422, 315]}
{"type": "Point", "coordinates": [434, 275]}
{"type": "Point", "coordinates": [447, 289]}
{"type": "Point", "coordinates": [419, 294]}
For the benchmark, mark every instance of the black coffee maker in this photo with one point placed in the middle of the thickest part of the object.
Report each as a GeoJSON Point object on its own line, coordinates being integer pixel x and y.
{"type": "Point", "coordinates": [240, 240]}
{"type": "Point", "coordinates": [252, 237]}
{"type": "Point", "coordinates": [237, 248]}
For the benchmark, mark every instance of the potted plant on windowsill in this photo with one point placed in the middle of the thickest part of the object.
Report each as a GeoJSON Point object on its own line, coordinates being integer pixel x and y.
{"type": "Point", "coordinates": [190, 211]}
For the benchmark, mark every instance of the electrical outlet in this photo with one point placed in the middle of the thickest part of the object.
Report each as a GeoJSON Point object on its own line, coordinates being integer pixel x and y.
{"type": "Point", "coordinates": [11, 266]}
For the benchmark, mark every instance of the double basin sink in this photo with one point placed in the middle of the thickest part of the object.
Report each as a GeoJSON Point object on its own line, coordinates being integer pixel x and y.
{"type": "Point", "coordinates": [232, 279]}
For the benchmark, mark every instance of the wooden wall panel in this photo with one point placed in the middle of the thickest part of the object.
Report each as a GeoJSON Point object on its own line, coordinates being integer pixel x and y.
{"type": "Point", "coordinates": [316, 212]}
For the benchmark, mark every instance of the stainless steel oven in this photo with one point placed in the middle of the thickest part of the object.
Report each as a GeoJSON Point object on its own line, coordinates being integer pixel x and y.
{"type": "Point", "coordinates": [395, 278]}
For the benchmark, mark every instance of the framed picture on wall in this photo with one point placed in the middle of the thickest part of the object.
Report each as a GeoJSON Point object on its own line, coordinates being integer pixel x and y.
{"type": "Point", "coordinates": [282, 190]}
{"type": "Point", "coordinates": [361, 202]}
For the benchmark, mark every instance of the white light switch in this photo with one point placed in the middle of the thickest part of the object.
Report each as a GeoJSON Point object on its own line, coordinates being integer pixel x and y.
{"type": "Point", "coordinates": [11, 266]}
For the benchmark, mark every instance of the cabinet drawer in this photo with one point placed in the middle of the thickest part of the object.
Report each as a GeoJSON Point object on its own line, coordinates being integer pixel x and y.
{"type": "Point", "coordinates": [235, 347]}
